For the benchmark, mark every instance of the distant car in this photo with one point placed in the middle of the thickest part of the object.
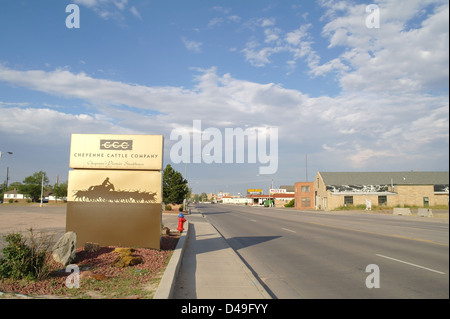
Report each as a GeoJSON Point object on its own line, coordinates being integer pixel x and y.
{"type": "Point", "coordinates": [212, 202]}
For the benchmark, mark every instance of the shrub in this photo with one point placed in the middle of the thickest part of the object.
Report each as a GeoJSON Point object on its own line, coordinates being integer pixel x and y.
{"type": "Point", "coordinates": [180, 208]}
{"type": "Point", "coordinates": [290, 204]}
{"type": "Point", "coordinates": [24, 260]}
{"type": "Point", "coordinates": [168, 207]}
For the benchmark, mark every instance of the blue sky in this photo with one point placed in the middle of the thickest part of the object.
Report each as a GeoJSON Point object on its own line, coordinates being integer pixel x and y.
{"type": "Point", "coordinates": [353, 98]}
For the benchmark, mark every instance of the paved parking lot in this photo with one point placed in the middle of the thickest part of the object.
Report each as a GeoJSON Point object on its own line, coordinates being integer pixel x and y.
{"type": "Point", "coordinates": [49, 219]}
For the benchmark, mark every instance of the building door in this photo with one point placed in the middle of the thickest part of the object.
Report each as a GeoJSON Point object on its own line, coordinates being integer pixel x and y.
{"type": "Point", "coordinates": [315, 199]}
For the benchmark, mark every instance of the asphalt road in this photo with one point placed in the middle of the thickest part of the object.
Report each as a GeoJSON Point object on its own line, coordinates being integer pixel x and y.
{"type": "Point", "coordinates": [326, 254]}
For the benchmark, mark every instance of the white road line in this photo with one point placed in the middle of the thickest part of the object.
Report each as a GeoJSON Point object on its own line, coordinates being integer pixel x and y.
{"type": "Point", "coordinates": [292, 231]}
{"type": "Point", "coordinates": [252, 220]}
{"type": "Point", "coordinates": [401, 261]}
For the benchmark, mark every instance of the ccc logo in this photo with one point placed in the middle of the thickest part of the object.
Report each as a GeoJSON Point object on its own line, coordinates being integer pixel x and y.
{"type": "Point", "coordinates": [116, 144]}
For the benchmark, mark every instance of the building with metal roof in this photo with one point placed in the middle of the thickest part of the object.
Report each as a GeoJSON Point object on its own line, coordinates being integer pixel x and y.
{"type": "Point", "coordinates": [393, 189]}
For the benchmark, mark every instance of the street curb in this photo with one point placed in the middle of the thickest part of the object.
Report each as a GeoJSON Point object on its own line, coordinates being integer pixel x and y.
{"type": "Point", "coordinates": [166, 286]}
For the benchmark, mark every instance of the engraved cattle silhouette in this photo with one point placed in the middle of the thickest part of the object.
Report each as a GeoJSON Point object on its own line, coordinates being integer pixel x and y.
{"type": "Point", "coordinates": [106, 192]}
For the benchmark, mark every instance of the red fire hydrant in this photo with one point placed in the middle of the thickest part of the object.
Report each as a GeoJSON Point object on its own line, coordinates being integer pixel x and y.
{"type": "Point", "coordinates": [181, 221]}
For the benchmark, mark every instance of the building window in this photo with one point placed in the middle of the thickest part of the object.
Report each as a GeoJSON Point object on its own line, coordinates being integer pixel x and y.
{"type": "Point", "coordinates": [305, 189]}
{"type": "Point", "coordinates": [426, 202]}
{"type": "Point", "coordinates": [348, 200]}
{"type": "Point", "coordinates": [306, 202]}
{"type": "Point", "coordinates": [382, 200]}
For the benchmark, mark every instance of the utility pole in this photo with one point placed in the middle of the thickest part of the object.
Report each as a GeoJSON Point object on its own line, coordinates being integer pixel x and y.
{"type": "Point", "coordinates": [7, 177]}
{"type": "Point", "coordinates": [7, 169]}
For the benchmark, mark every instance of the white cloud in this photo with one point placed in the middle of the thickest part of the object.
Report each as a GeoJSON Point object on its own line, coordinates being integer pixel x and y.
{"type": "Point", "coordinates": [267, 22]}
{"type": "Point", "coordinates": [393, 57]}
{"type": "Point", "coordinates": [234, 18]}
{"type": "Point", "coordinates": [359, 130]}
{"type": "Point", "coordinates": [408, 53]}
{"type": "Point", "coordinates": [120, 4]}
{"type": "Point", "coordinates": [294, 38]}
{"type": "Point", "coordinates": [88, 3]}
{"type": "Point", "coordinates": [192, 46]}
{"type": "Point", "coordinates": [297, 43]}
{"type": "Point", "coordinates": [135, 12]}
{"type": "Point", "coordinates": [259, 57]}
{"type": "Point", "coordinates": [221, 9]}
{"type": "Point", "coordinates": [110, 9]}
{"type": "Point", "coordinates": [214, 22]}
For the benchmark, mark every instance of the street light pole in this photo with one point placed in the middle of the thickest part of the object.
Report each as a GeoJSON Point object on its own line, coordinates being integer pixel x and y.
{"type": "Point", "coordinates": [42, 189]}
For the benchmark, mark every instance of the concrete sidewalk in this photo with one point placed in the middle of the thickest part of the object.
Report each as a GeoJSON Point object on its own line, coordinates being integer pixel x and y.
{"type": "Point", "coordinates": [210, 269]}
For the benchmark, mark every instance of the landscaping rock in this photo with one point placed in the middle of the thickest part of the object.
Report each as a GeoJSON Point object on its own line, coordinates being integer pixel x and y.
{"type": "Point", "coordinates": [125, 251]}
{"type": "Point", "coordinates": [126, 258]}
{"type": "Point", "coordinates": [91, 247]}
{"type": "Point", "coordinates": [123, 261]}
{"type": "Point", "coordinates": [165, 231]}
{"type": "Point", "coordinates": [64, 251]}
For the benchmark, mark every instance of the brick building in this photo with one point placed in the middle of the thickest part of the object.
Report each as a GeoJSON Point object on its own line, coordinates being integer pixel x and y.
{"type": "Point", "coordinates": [422, 189]}
{"type": "Point", "coordinates": [304, 195]}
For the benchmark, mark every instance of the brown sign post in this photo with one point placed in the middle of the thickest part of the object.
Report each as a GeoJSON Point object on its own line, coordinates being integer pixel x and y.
{"type": "Point", "coordinates": [115, 189]}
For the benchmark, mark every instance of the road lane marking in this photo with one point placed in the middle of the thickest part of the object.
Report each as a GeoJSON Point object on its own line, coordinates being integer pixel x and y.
{"type": "Point", "coordinates": [411, 264]}
{"type": "Point", "coordinates": [292, 231]}
{"type": "Point", "coordinates": [375, 233]}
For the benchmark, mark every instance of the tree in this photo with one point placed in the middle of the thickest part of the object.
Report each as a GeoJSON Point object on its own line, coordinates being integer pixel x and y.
{"type": "Point", "coordinates": [32, 185]}
{"type": "Point", "coordinates": [60, 190]}
{"type": "Point", "coordinates": [175, 187]}
{"type": "Point", "coordinates": [13, 185]}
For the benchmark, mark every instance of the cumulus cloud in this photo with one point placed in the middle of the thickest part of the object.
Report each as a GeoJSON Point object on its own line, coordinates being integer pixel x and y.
{"type": "Point", "coordinates": [408, 53]}
{"type": "Point", "coordinates": [394, 57]}
{"type": "Point", "coordinates": [360, 130]}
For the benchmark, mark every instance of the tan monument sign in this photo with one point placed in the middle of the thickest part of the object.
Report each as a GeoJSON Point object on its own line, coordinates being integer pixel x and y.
{"type": "Point", "coordinates": [107, 151]}
{"type": "Point", "coordinates": [115, 207]}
